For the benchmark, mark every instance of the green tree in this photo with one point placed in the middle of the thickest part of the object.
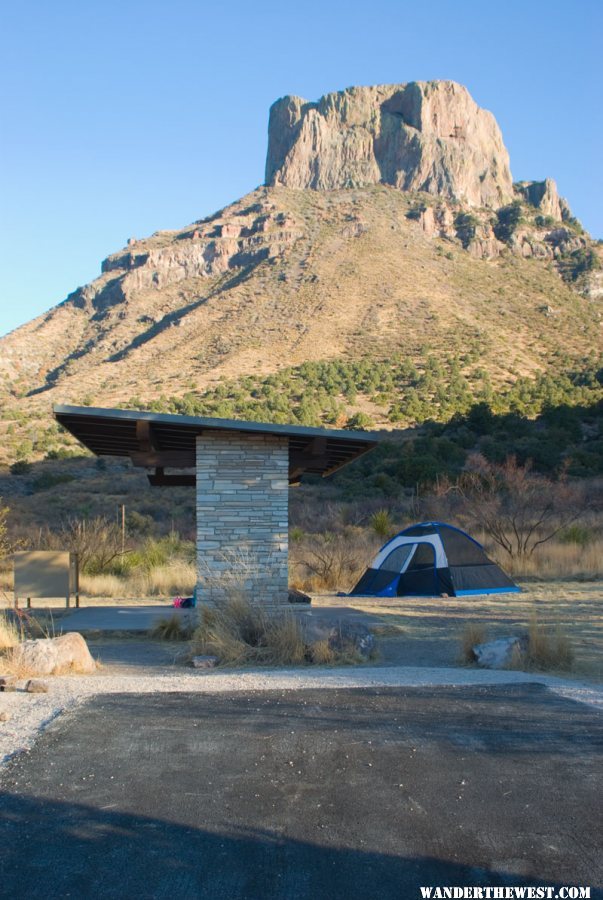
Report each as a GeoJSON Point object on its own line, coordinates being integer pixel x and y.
{"type": "Point", "coordinates": [508, 219]}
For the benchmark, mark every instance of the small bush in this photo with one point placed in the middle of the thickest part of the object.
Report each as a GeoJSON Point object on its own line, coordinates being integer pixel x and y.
{"type": "Point", "coordinates": [415, 212]}
{"type": "Point", "coordinates": [544, 221]}
{"type": "Point", "coordinates": [382, 523]}
{"type": "Point", "coordinates": [170, 629]}
{"type": "Point", "coordinates": [508, 220]}
{"type": "Point", "coordinates": [322, 653]}
{"type": "Point", "coordinates": [547, 648]}
{"type": "Point", "coordinates": [50, 479]}
{"type": "Point", "coordinates": [9, 633]}
{"type": "Point", "coordinates": [239, 633]}
{"type": "Point", "coordinates": [576, 534]}
{"type": "Point", "coordinates": [21, 467]}
{"type": "Point", "coordinates": [474, 633]}
{"type": "Point", "coordinates": [465, 225]}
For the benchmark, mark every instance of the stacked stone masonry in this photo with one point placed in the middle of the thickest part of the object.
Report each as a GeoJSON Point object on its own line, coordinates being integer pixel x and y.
{"type": "Point", "coordinates": [242, 516]}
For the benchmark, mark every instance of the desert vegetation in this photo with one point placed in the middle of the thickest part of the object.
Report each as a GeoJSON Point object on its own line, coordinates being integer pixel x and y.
{"type": "Point", "coordinates": [535, 524]}
{"type": "Point", "coordinates": [238, 633]}
{"type": "Point", "coordinates": [545, 646]}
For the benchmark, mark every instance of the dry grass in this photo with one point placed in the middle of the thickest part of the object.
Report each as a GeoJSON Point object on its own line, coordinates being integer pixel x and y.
{"type": "Point", "coordinates": [549, 648]}
{"type": "Point", "coordinates": [170, 629]}
{"type": "Point", "coordinates": [103, 586]}
{"type": "Point", "coordinates": [322, 653]}
{"type": "Point", "coordinates": [473, 633]}
{"type": "Point", "coordinates": [556, 560]}
{"type": "Point", "coordinates": [9, 633]}
{"type": "Point", "coordinates": [163, 581]}
{"type": "Point", "coordinates": [239, 633]}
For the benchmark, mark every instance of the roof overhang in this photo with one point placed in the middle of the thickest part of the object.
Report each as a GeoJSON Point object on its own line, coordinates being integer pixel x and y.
{"type": "Point", "coordinates": [160, 441]}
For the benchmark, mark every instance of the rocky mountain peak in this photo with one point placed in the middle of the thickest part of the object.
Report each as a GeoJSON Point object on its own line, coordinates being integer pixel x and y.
{"type": "Point", "coordinates": [421, 136]}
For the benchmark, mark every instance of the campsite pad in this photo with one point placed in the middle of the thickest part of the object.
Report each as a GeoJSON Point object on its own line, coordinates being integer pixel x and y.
{"type": "Point", "coordinates": [122, 618]}
{"type": "Point", "coordinates": [306, 794]}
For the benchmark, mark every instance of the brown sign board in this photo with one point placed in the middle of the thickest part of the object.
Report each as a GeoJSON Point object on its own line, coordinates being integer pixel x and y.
{"type": "Point", "coordinates": [45, 573]}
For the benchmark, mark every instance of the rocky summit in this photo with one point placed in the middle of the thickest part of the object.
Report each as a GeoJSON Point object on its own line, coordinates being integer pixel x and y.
{"type": "Point", "coordinates": [422, 136]}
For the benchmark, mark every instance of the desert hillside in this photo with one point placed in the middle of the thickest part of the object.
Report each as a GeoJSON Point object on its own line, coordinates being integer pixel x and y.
{"type": "Point", "coordinates": [389, 235]}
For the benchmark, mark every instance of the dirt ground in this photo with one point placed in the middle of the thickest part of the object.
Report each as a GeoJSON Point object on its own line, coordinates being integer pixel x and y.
{"type": "Point", "coordinates": [419, 631]}
{"type": "Point", "coordinates": [427, 631]}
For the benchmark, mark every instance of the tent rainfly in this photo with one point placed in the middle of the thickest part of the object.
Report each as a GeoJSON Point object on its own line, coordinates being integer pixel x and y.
{"type": "Point", "coordinates": [433, 558]}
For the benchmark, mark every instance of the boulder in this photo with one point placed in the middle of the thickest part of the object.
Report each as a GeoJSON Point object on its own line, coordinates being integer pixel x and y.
{"type": "Point", "coordinates": [342, 635]}
{"type": "Point", "coordinates": [204, 662]}
{"type": "Point", "coordinates": [296, 596]}
{"type": "Point", "coordinates": [4, 716]}
{"type": "Point", "coordinates": [352, 636]}
{"type": "Point", "coordinates": [500, 654]}
{"type": "Point", "coordinates": [34, 686]}
{"type": "Point", "coordinates": [52, 656]}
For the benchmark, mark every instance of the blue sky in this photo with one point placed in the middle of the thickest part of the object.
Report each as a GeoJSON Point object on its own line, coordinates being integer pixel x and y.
{"type": "Point", "coordinates": [121, 118]}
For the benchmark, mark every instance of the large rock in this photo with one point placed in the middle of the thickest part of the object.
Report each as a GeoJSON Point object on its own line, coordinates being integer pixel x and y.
{"type": "Point", "coordinates": [502, 653]}
{"type": "Point", "coordinates": [53, 656]}
{"type": "Point", "coordinates": [544, 196]}
{"type": "Point", "coordinates": [422, 136]}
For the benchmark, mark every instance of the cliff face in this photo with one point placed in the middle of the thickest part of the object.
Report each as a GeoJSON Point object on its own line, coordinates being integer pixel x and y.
{"type": "Point", "coordinates": [421, 136]}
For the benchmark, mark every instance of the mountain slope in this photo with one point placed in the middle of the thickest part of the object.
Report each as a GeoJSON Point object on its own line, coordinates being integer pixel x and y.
{"type": "Point", "coordinates": [289, 275]}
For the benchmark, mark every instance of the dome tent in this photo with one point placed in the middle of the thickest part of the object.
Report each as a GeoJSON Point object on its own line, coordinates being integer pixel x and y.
{"type": "Point", "coordinates": [433, 558]}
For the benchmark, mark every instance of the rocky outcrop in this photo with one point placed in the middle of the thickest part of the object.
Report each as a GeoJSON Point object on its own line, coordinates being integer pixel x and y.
{"type": "Point", "coordinates": [543, 196]}
{"type": "Point", "coordinates": [211, 247]}
{"type": "Point", "coordinates": [422, 136]}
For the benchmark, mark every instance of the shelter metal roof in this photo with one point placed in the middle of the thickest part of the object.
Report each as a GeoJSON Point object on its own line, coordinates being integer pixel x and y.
{"type": "Point", "coordinates": [160, 441]}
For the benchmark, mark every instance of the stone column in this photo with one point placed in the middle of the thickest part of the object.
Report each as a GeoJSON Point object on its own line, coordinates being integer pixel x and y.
{"type": "Point", "coordinates": [242, 516]}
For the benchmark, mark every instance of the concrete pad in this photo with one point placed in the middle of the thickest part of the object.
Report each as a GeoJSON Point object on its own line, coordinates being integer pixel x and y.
{"type": "Point", "coordinates": [345, 613]}
{"type": "Point", "coordinates": [143, 618]}
{"type": "Point", "coordinates": [310, 794]}
{"type": "Point", "coordinates": [122, 618]}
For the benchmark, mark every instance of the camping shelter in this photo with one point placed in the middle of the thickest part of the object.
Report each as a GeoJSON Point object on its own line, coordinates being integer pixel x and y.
{"type": "Point", "coordinates": [241, 472]}
{"type": "Point", "coordinates": [433, 558]}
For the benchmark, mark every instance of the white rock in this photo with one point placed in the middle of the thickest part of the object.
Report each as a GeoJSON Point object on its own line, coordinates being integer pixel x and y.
{"type": "Point", "coordinates": [499, 654]}
{"type": "Point", "coordinates": [204, 662]}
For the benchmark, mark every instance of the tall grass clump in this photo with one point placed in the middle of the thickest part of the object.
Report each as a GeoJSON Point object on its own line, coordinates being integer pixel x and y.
{"type": "Point", "coordinates": [473, 633]}
{"type": "Point", "coordinates": [9, 633]}
{"type": "Point", "coordinates": [382, 523]}
{"type": "Point", "coordinates": [548, 648]}
{"type": "Point", "coordinates": [237, 632]}
{"type": "Point", "coordinates": [241, 633]}
{"type": "Point", "coordinates": [171, 628]}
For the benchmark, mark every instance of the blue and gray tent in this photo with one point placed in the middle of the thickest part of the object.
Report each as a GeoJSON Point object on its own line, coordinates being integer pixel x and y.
{"type": "Point", "coordinates": [433, 558]}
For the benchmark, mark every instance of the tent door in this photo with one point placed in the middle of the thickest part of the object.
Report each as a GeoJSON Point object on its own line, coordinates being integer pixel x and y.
{"type": "Point", "coordinates": [420, 576]}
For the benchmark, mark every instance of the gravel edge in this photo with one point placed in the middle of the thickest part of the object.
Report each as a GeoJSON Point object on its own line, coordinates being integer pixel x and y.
{"type": "Point", "coordinates": [31, 714]}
